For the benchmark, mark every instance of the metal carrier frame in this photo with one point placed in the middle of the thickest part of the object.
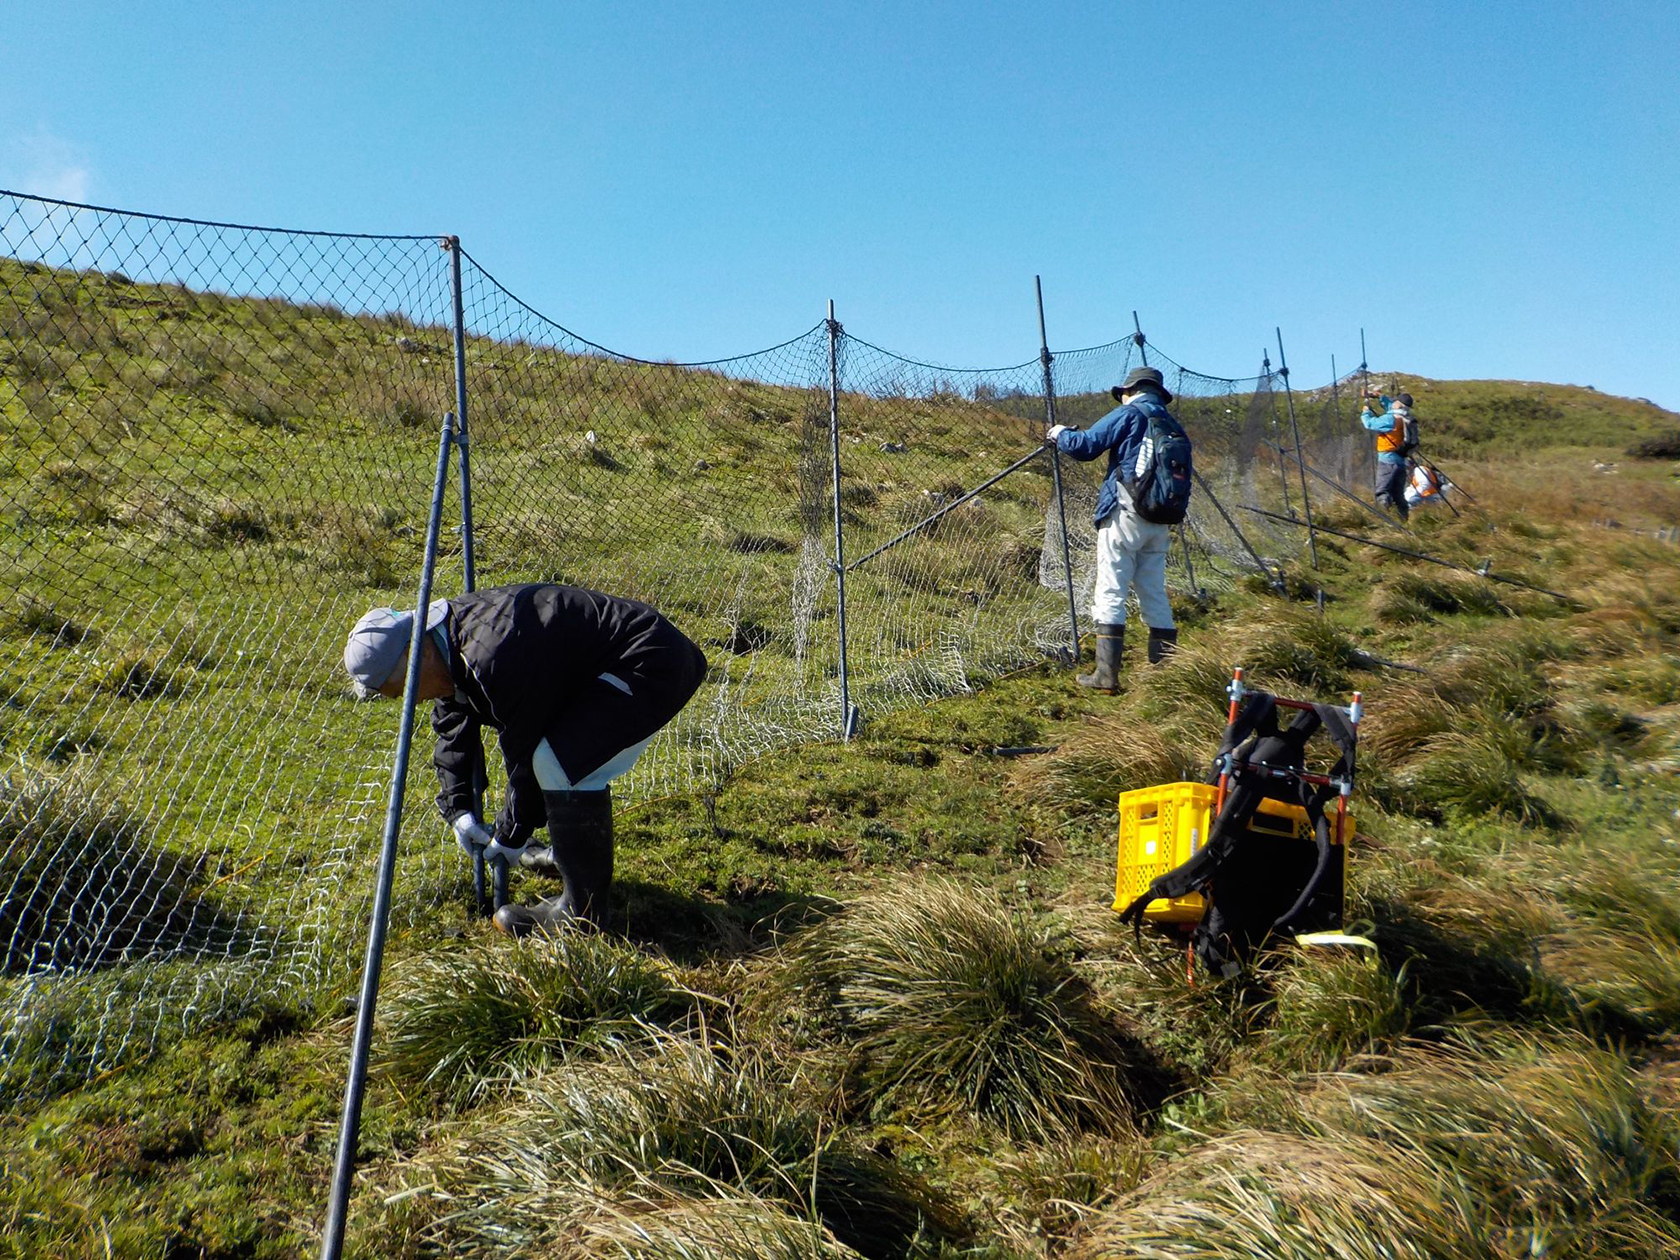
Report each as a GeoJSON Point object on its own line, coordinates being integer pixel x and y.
{"type": "Point", "coordinates": [1237, 689]}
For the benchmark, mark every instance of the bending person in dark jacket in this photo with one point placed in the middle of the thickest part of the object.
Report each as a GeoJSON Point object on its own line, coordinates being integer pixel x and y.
{"type": "Point", "coordinates": [574, 682]}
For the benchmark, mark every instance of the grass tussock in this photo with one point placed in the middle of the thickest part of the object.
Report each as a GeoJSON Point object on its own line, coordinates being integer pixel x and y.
{"type": "Point", "coordinates": [1409, 597]}
{"type": "Point", "coordinates": [729, 1227]}
{"type": "Point", "coordinates": [463, 1022]}
{"type": "Point", "coordinates": [1617, 941]}
{"type": "Point", "coordinates": [673, 1120]}
{"type": "Point", "coordinates": [1556, 1140]}
{"type": "Point", "coordinates": [1052, 1187]}
{"type": "Point", "coordinates": [32, 615]}
{"type": "Point", "coordinates": [1287, 1197]}
{"type": "Point", "coordinates": [1461, 943]}
{"type": "Point", "coordinates": [1107, 756]}
{"type": "Point", "coordinates": [1328, 1009]}
{"type": "Point", "coordinates": [1505, 1148]}
{"type": "Point", "coordinates": [952, 1003]}
{"type": "Point", "coordinates": [1486, 769]}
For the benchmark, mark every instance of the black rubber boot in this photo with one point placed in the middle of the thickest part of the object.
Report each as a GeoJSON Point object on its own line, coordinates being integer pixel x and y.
{"type": "Point", "coordinates": [580, 831]}
{"type": "Point", "coordinates": [1162, 644]}
{"type": "Point", "coordinates": [539, 860]}
{"type": "Point", "coordinates": [1106, 676]}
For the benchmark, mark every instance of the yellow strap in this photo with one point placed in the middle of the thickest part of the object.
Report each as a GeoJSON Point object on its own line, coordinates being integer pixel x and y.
{"type": "Point", "coordinates": [1336, 938]}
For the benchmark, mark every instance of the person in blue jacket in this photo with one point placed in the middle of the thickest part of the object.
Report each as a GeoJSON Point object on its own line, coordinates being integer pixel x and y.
{"type": "Point", "coordinates": [1131, 552]}
{"type": "Point", "coordinates": [1396, 430]}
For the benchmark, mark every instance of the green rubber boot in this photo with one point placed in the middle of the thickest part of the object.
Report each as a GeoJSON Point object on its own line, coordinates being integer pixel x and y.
{"type": "Point", "coordinates": [1162, 644]}
{"type": "Point", "coordinates": [1106, 677]}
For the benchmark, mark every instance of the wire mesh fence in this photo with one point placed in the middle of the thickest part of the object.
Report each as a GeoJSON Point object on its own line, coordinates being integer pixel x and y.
{"type": "Point", "coordinates": [220, 444]}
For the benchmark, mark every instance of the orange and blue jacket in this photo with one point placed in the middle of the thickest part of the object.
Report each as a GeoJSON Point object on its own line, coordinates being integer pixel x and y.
{"type": "Point", "coordinates": [1389, 425]}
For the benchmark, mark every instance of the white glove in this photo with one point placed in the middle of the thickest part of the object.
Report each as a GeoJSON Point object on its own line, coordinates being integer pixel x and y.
{"type": "Point", "coordinates": [496, 851]}
{"type": "Point", "coordinates": [471, 834]}
{"type": "Point", "coordinates": [1056, 431]}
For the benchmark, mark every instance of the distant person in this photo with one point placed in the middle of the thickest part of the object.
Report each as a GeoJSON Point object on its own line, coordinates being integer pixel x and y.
{"type": "Point", "coordinates": [1427, 487]}
{"type": "Point", "coordinates": [575, 683]}
{"type": "Point", "coordinates": [1396, 430]}
{"type": "Point", "coordinates": [1146, 490]}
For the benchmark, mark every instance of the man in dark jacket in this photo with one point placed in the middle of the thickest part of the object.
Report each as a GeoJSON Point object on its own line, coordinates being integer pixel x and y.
{"type": "Point", "coordinates": [574, 682]}
{"type": "Point", "coordinates": [1131, 552]}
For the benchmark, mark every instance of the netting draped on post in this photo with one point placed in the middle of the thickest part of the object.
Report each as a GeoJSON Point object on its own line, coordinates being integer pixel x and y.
{"type": "Point", "coordinates": [219, 450]}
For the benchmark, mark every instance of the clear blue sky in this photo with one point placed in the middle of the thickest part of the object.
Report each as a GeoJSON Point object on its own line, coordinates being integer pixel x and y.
{"type": "Point", "coordinates": [1489, 190]}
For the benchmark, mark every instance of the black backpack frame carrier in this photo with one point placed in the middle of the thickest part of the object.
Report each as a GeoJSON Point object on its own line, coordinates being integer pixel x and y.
{"type": "Point", "coordinates": [1255, 888]}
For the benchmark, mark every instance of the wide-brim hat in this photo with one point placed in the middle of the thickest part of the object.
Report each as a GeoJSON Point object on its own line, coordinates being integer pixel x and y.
{"type": "Point", "coordinates": [1143, 376]}
{"type": "Point", "coordinates": [377, 642]}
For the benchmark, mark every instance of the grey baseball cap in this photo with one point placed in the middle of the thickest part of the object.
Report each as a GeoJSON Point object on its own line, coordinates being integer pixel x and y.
{"type": "Point", "coordinates": [377, 642]}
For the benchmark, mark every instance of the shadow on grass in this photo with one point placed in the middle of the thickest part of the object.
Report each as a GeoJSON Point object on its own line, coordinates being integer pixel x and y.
{"type": "Point", "coordinates": [1450, 975]}
{"type": "Point", "coordinates": [691, 929]}
{"type": "Point", "coordinates": [80, 890]}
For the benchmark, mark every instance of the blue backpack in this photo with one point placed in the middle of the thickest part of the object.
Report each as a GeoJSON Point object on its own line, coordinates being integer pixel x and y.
{"type": "Point", "coordinates": [1160, 480]}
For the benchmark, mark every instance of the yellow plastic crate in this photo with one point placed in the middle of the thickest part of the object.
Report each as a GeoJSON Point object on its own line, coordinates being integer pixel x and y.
{"type": "Point", "coordinates": [1160, 827]}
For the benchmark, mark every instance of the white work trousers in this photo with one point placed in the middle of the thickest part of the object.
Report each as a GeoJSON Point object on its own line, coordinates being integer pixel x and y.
{"type": "Point", "coordinates": [1131, 554]}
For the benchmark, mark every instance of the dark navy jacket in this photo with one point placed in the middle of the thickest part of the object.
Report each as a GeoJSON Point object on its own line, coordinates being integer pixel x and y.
{"type": "Point", "coordinates": [1120, 433]}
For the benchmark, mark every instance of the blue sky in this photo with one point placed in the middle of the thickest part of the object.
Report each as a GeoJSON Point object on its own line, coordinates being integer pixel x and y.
{"type": "Point", "coordinates": [1489, 190]}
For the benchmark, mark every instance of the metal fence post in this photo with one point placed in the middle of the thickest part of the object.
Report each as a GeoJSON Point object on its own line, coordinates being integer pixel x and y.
{"type": "Point", "coordinates": [1295, 429]}
{"type": "Point", "coordinates": [848, 711]}
{"type": "Point", "coordinates": [1335, 396]}
{"type": "Point", "coordinates": [1283, 470]}
{"type": "Point", "coordinates": [469, 575]}
{"type": "Point", "coordinates": [1045, 359]}
{"type": "Point", "coordinates": [332, 1238]}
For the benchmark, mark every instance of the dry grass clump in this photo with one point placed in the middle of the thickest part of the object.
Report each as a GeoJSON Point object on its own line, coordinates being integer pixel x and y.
{"type": "Point", "coordinates": [576, 1158]}
{"type": "Point", "coordinates": [1474, 736]}
{"type": "Point", "coordinates": [1466, 942]}
{"type": "Point", "coordinates": [1329, 1008]}
{"type": "Point", "coordinates": [460, 1022]}
{"type": "Point", "coordinates": [1293, 646]}
{"type": "Point", "coordinates": [1519, 1147]}
{"type": "Point", "coordinates": [1106, 756]}
{"type": "Point", "coordinates": [1049, 1188]}
{"type": "Point", "coordinates": [1555, 1142]}
{"type": "Point", "coordinates": [1399, 724]}
{"type": "Point", "coordinates": [1286, 1197]}
{"type": "Point", "coordinates": [955, 1004]}
{"type": "Point", "coordinates": [729, 1227]}
{"type": "Point", "coordinates": [1412, 596]}
{"type": "Point", "coordinates": [1485, 768]}
{"type": "Point", "coordinates": [29, 614]}
{"type": "Point", "coordinates": [1618, 943]}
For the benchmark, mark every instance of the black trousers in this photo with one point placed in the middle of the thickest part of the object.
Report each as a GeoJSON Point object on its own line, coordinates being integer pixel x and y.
{"type": "Point", "coordinates": [602, 721]}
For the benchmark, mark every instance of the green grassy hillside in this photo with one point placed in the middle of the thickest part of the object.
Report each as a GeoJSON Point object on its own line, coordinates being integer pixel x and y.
{"type": "Point", "coordinates": [870, 999]}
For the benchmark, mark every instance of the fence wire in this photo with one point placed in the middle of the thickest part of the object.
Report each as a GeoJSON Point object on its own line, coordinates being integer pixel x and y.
{"type": "Point", "coordinates": [214, 435]}
{"type": "Point", "coordinates": [220, 443]}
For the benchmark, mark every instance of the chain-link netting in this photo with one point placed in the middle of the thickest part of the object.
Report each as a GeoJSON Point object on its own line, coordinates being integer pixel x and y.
{"type": "Point", "coordinates": [220, 448]}
{"type": "Point", "coordinates": [699, 488]}
{"type": "Point", "coordinates": [952, 539]}
{"type": "Point", "coordinates": [216, 446]}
